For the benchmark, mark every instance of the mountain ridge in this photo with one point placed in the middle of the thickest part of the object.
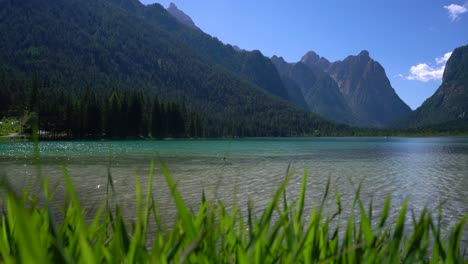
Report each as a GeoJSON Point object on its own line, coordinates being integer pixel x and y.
{"type": "Point", "coordinates": [367, 89]}
{"type": "Point", "coordinates": [361, 90]}
{"type": "Point", "coordinates": [261, 71]}
{"type": "Point", "coordinates": [181, 16]}
{"type": "Point", "coordinates": [250, 65]}
{"type": "Point", "coordinates": [124, 44]}
{"type": "Point", "coordinates": [312, 59]}
{"type": "Point", "coordinates": [98, 44]}
{"type": "Point", "coordinates": [450, 101]}
{"type": "Point", "coordinates": [319, 92]}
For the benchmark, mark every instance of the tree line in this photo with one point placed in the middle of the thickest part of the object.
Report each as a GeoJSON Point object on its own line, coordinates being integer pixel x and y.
{"type": "Point", "coordinates": [128, 113]}
{"type": "Point", "coordinates": [91, 112]}
{"type": "Point", "coordinates": [116, 113]}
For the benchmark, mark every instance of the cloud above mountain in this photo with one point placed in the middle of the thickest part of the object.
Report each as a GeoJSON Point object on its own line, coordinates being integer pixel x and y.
{"type": "Point", "coordinates": [444, 59]}
{"type": "Point", "coordinates": [425, 72]}
{"type": "Point", "coordinates": [455, 11]}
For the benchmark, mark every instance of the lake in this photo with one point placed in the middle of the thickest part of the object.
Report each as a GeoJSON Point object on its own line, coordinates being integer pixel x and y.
{"type": "Point", "coordinates": [428, 171]}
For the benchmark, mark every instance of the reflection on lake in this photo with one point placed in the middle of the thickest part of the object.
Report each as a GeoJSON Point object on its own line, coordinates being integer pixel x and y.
{"type": "Point", "coordinates": [429, 171]}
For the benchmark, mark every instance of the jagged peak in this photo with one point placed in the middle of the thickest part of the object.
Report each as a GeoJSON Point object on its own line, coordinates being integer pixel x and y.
{"type": "Point", "coordinates": [311, 56]}
{"type": "Point", "coordinates": [278, 58]}
{"type": "Point", "coordinates": [181, 16]}
{"type": "Point", "coordinates": [280, 63]}
{"type": "Point", "coordinates": [364, 54]}
{"type": "Point", "coordinates": [312, 59]}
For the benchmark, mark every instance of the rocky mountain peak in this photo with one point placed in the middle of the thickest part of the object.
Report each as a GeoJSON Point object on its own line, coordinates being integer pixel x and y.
{"type": "Point", "coordinates": [278, 59]}
{"type": "Point", "coordinates": [280, 64]}
{"type": "Point", "coordinates": [367, 90]}
{"type": "Point", "coordinates": [311, 56]}
{"type": "Point", "coordinates": [312, 59]}
{"type": "Point", "coordinates": [181, 16]}
{"type": "Point", "coordinates": [364, 54]}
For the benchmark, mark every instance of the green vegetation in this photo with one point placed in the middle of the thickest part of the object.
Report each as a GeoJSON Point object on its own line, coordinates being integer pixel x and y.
{"type": "Point", "coordinates": [29, 233]}
{"type": "Point", "coordinates": [80, 45]}
{"type": "Point", "coordinates": [59, 55]}
{"type": "Point", "coordinates": [132, 113]}
{"type": "Point", "coordinates": [9, 126]}
{"type": "Point", "coordinates": [447, 108]}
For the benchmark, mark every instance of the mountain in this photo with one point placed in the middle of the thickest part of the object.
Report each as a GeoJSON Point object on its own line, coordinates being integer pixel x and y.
{"type": "Point", "coordinates": [260, 71]}
{"type": "Point", "coordinates": [313, 60]}
{"type": "Point", "coordinates": [132, 5]}
{"type": "Point", "coordinates": [449, 104]}
{"type": "Point", "coordinates": [314, 87]}
{"type": "Point", "coordinates": [294, 92]}
{"type": "Point", "coordinates": [367, 90]}
{"type": "Point", "coordinates": [236, 48]}
{"type": "Point", "coordinates": [181, 16]}
{"type": "Point", "coordinates": [354, 91]}
{"type": "Point", "coordinates": [79, 45]}
{"type": "Point", "coordinates": [249, 65]}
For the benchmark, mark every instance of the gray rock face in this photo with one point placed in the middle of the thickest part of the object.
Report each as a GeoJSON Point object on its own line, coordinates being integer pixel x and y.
{"type": "Point", "coordinates": [367, 90]}
{"type": "Point", "coordinates": [314, 87]}
{"type": "Point", "coordinates": [312, 59]}
{"type": "Point", "coordinates": [181, 16]}
{"type": "Point", "coordinates": [354, 91]}
{"type": "Point", "coordinates": [294, 92]}
{"type": "Point", "coordinates": [450, 101]}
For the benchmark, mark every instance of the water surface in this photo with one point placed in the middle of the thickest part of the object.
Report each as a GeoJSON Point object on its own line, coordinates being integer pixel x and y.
{"type": "Point", "coordinates": [428, 171]}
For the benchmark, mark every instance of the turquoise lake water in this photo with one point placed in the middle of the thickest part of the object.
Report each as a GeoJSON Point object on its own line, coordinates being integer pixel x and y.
{"type": "Point", "coordinates": [428, 171]}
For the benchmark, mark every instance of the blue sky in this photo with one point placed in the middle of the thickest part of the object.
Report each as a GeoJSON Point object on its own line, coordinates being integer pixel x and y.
{"type": "Point", "coordinates": [408, 37]}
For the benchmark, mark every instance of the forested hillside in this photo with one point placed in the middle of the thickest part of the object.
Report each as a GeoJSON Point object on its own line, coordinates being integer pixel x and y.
{"type": "Point", "coordinates": [449, 104]}
{"type": "Point", "coordinates": [80, 47]}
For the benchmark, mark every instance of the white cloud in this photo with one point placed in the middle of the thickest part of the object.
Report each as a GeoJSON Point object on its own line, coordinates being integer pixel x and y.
{"type": "Point", "coordinates": [444, 59]}
{"type": "Point", "coordinates": [424, 72]}
{"type": "Point", "coordinates": [455, 11]}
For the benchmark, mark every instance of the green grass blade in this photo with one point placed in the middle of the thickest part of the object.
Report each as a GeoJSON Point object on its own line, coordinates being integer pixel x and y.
{"type": "Point", "coordinates": [184, 213]}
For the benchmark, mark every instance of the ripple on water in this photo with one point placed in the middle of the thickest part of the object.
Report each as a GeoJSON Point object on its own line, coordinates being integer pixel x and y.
{"type": "Point", "coordinates": [428, 171]}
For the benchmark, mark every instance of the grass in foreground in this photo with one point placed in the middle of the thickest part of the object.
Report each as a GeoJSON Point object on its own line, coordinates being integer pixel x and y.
{"type": "Point", "coordinates": [30, 234]}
